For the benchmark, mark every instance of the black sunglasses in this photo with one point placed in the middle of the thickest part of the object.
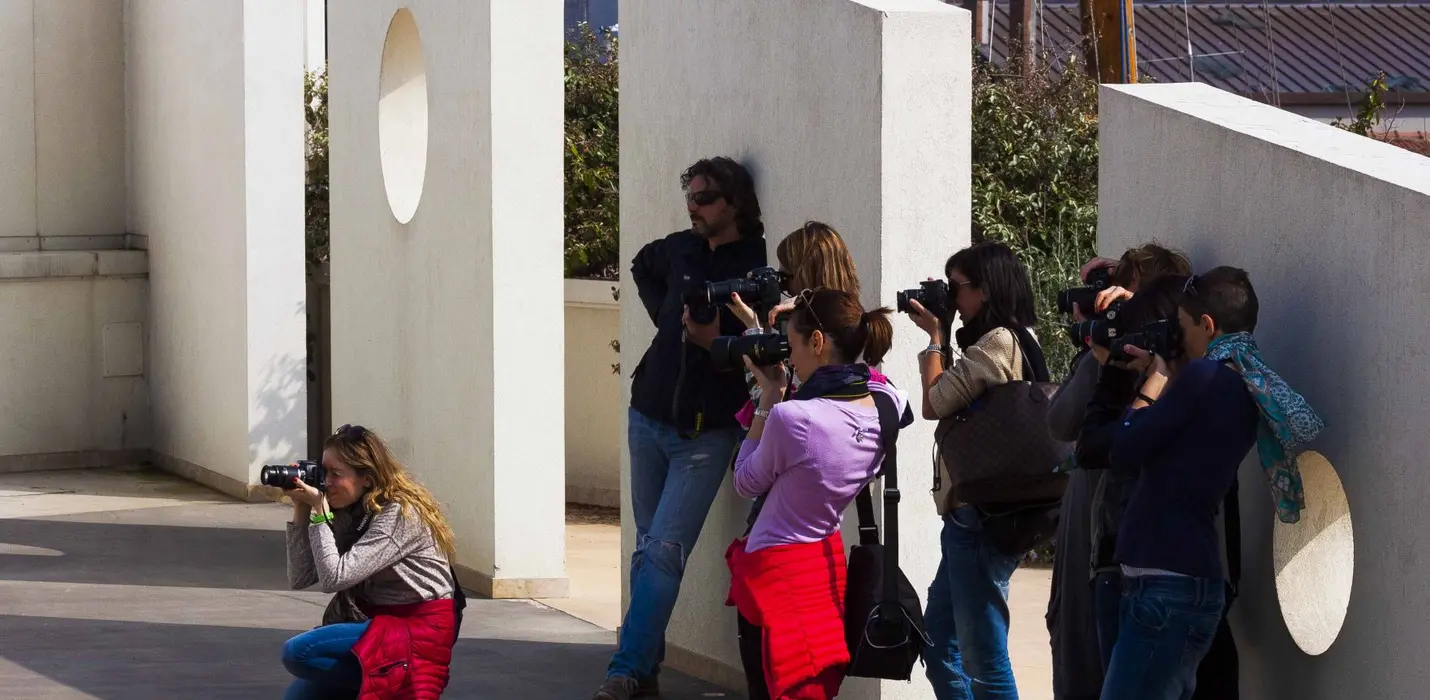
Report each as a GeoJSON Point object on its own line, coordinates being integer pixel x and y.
{"type": "Point", "coordinates": [348, 431]}
{"type": "Point", "coordinates": [704, 197]}
{"type": "Point", "coordinates": [806, 299]}
{"type": "Point", "coordinates": [1190, 287]}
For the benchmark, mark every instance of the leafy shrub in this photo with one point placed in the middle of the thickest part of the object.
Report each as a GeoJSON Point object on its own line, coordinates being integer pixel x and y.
{"type": "Point", "coordinates": [593, 210]}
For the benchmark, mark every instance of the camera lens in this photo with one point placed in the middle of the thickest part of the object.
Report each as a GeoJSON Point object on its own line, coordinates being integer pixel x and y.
{"type": "Point", "coordinates": [280, 476]}
{"type": "Point", "coordinates": [728, 352]}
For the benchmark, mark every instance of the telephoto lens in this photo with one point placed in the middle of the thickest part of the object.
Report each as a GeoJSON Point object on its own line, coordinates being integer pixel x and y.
{"type": "Point", "coordinates": [727, 352]}
{"type": "Point", "coordinates": [282, 475]}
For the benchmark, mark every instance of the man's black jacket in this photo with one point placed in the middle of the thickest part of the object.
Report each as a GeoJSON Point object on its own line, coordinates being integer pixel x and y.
{"type": "Point", "coordinates": [664, 271]}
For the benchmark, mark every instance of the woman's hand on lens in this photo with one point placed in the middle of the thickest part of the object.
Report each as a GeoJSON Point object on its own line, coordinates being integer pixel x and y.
{"type": "Point", "coordinates": [784, 308]}
{"type": "Point", "coordinates": [744, 313]}
{"type": "Point", "coordinates": [925, 320]}
{"type": "Point", "coordinates": [1094, 264]}
{"type": "Point", "coordinates": [303, 493]}
{"type": "Point", "coordinates": [1109, 295]}
{"type": "Point", "coordinates": [772, 380]}
{"type": "Point", "coordinates": [1077, 313]}
{"type": "Point", "coordinates": [1145, 362]}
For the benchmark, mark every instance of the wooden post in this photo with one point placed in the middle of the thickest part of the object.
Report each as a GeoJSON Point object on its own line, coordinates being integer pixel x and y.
{"type": "Point", "coordinates": [1021, 32]}
{"type": "Point", "coordinates": [1111, 41]}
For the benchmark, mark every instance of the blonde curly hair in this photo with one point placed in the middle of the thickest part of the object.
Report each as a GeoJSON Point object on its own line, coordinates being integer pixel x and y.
{"type": "Point", "coordinates": [367, 454]}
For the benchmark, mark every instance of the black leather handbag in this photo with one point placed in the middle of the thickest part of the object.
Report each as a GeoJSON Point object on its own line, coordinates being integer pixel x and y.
{"type": "Point", "coordinates": [883, 619]}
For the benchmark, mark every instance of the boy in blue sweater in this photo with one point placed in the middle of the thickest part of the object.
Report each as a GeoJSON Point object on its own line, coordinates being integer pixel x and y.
{"type": "Point", "coordinates": [1184, 440]}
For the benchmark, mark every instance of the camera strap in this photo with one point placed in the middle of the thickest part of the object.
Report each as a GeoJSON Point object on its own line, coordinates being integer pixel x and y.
{"type": "Point", "coordinates": [679, 389]}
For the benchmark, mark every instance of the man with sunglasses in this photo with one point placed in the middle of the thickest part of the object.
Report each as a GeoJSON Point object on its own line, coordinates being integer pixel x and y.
{"type": "Point", "coordinates": [682, 427]}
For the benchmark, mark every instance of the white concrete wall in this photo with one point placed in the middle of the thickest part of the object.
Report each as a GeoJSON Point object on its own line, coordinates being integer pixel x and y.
{"type": "Point", "coordinates": [1332, 228]}
{"type": "Point", "coordinates": [593, 396]}
{"type": "Point", "coordinates": [442, 328]}
{"type": "Point", "coordinates": [854, 113]}
{"type": "Point", "coordinates": [214, 95]}
{"type": "Point", "coordinates": [62, 156]}
{"type": "Point", "coordinates": [71, 343]}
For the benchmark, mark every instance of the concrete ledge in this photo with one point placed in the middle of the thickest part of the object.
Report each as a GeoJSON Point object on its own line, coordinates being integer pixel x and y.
{"type": "Point", "coordinates": [251, 493]}
{"type": "Point", "coordinates": [519, 588]}
{"type": "Point", "coordinates": [73, 263]}
{"type": "Point", "coordinates": [594, 294]}
{"type": "Point", "coordinates": [593, 496]}
{"type": "Point", "coordinates": [90, 459]}
{"type": "Point", "coordinates": [22, 244]}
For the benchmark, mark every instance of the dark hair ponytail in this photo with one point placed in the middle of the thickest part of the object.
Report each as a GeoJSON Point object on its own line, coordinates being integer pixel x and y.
{"type": "Point", "coordinates": [878, 332]}
{"type": "Point", "coordinates": [844, 322]}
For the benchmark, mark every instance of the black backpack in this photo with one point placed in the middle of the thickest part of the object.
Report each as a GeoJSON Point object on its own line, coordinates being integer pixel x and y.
{"type": "Point", "coordinates": [883, 619]}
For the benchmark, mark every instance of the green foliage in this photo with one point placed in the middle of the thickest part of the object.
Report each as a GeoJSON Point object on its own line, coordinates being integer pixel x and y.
{"type": "Point", "coordinates": [315, 108]}
{"type": "Point", "coordinates": [1369, 114]}
{"type": "Point", "coordinates": [593, 212]}
{"type": "Point", "coordinates": [1035, 179]}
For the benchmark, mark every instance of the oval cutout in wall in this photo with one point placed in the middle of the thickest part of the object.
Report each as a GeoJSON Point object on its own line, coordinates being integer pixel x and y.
{"type": "Point", "coordinates": [402, 116]}
{"type": "Point", "coordinates": [1315, 559]}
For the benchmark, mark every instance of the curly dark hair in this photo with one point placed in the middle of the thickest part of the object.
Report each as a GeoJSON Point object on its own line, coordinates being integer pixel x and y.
{"type": "Point", "coordinates": [736, 184]}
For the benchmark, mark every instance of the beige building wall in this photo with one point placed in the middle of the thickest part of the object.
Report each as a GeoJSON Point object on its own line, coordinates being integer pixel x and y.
{"type": "Point", "coordinates": [593, 399]}
{"type": "Point", "coordinates": [447, 265]}
{"type": "Point", "coordinates": [1332, 228]}
{"type": "Point", "coordinates": [853, 113]}
{"type": "Point", "coordinates": [214, 94]}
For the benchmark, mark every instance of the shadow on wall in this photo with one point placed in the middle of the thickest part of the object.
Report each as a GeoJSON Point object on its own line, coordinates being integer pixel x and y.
{"type": "Point", "coordinates": [278, 428]}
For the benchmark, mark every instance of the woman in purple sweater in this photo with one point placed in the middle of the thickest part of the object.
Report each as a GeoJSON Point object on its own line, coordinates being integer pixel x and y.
{"type": "Point", "coordinates": [810, 456]}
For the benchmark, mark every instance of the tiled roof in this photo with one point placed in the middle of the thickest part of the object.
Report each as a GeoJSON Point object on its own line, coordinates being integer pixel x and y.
{"type": "Point", "coordinates": [1321, 50]}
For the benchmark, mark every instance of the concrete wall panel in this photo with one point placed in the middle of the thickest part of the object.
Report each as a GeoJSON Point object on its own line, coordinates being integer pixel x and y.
{"type": "Point", "coordinates": [17, 118]}
{"type": "Point", "coordinates": [80, 117]}
{"type": "Point", "coordinates": [442, 328]}
{"type": "Point", "coordinates": [1331, 227]}
{"type": "Point", "coordinates": [853, 113]}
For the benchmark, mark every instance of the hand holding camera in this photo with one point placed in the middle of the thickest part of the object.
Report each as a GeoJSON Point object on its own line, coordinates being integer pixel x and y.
{"type": "Point", "coordinates": [772, 379]}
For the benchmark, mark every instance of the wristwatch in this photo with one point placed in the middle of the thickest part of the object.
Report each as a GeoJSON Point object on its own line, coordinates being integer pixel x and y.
{"type": "Point", "coordinates": [762, 413]}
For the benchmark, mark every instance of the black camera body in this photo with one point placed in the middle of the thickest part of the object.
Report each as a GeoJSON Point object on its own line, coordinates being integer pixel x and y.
{"type": "Point", "coordinates": [1162, 338]}
{"type": "Point", "coordinates": [931, 294]}
{"type": "Point", "coordinates": [1103, 331]}
{"type": "Point", "coordinates": [763, 349]}
{"type": "Point", "coordinates": [282, 475]}
{"type": "Point", "coordinates": [760, 290]}
{"type": "Point", "coordinates": [1085, 297]}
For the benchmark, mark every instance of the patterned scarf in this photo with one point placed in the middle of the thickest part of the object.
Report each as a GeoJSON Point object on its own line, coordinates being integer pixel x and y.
{"type": "Point", "coordinates": [1287, 421]}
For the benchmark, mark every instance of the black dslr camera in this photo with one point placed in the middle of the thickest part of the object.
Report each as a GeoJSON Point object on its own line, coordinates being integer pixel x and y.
{"type": "Point", "coordinates": [1104, 330]}
{"type": "Point", "coordinates": [1085, 297]}
{"type": "Point", "coordinates": [760, 290]}
{"type": "Point", "coordinates": [282, 475]}
{"type": "Point", "coordinates": [932, 295]}
{"type": "Point", "coordinates": [1163, 338]}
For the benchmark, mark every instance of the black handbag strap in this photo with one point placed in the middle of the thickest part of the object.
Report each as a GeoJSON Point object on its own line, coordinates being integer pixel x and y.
{"type": "Point", "coordinates": [889, 424]}
{"type": "Point", "coordinates": [1035, 365]}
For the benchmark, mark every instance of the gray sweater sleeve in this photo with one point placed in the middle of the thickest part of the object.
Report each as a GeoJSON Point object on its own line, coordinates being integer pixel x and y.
{"type": "Point", "coordinates": [390, 537]}
{"type": "Point", "coordinates": [1069, 405]}
{"type": "Point", "coordinates": [300, 558]}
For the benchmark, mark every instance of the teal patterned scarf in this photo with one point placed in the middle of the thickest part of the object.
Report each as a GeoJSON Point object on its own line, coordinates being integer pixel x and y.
{"type": "Point", "coordinates": [1287, 421]}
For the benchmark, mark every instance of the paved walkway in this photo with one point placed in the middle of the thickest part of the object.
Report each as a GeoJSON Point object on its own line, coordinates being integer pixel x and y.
{"type": "Point", "coordinates": [133, 585]}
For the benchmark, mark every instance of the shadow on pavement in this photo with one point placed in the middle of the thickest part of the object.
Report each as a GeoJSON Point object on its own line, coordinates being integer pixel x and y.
{"type": "Point", "coordinates": [142, 661]}
{"type": "Point", "coordinates": [145, 555]}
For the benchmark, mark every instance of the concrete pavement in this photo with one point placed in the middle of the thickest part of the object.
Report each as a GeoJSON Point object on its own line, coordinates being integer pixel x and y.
{"type": "Point", "coordinates": [131, 584]}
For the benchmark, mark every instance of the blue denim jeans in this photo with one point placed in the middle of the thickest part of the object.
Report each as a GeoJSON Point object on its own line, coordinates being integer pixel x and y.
{"type": "Point", "coordinates": [967, 615]}
{"type": "Point", "coordinates": [673, 483]}
{"type": "Point", "coordinates": [322, 661]}
{"type": "Point", "coordinates": [1107, 609]}
{"type": "Point", "coordinates": [1168, 623]}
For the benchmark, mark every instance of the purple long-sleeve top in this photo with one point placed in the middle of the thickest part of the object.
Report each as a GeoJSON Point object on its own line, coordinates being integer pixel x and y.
{"type": "Point", "coordinates": [813, 459]}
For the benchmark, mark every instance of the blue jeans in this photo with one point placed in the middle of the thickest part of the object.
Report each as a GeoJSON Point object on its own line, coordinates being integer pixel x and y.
{"type": "Point", "coordinates": [1107, 609]}
{"type": "Point", "coordinates": [1168, 623]}
{"type": "Point", "coordinates": [673, 483]}
{"type": "Point", "coordinates": [322, 661]}
{"type": "Point", "coordinates": [967, 615]}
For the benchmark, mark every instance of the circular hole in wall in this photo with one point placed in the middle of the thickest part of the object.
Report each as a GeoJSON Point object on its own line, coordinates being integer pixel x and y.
{"type": "Point", "coordinates": [1315, 559]}
{"type": "Point", "coordinates": [402, 116]}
